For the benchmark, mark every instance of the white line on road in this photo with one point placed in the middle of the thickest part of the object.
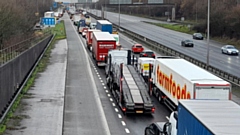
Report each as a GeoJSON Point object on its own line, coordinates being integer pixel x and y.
{"type": "Point", "coordinates": [113, 104]}
{"type": "Point", "coordinates": [101, 80]}
{"type": "Point", "coordinates": [97, 73]}
{"type": "Point", "coordinates": [119, 116]}
{"type": "Point", "coordinates": [103, 84]}
{"type": "Point", "coordinates": [116, 109]}
{"type": "Point", "coordinates": [123, 123]}
{"type": "Point", "coordinates": [127, 130]}
{"type": "Point", "coordinates": [106, 90]}
{"type": "Point", "coordinates": [109, 95]}
{"type": "Point", "coordinates": [111, 99]}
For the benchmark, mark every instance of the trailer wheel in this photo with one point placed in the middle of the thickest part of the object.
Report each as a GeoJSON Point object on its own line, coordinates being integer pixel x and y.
{"type": "Point", "coordinates": [160, 99]}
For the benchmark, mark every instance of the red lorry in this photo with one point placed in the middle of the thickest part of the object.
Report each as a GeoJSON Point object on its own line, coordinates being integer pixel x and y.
{"type": "Point", "coordinates": [102, 42]}
{"type": "Point", "coordinates": [89, 37]}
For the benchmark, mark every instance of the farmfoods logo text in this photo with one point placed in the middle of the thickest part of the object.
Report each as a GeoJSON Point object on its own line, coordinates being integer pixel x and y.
{"type": "Point", "coordinates": [167, 82]}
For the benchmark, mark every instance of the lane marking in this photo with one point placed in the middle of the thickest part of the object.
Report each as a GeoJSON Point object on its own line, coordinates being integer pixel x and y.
{"type": "Point", "coordinates": [109, 95]}
{"type": "Point", "coordinates": [97, 73]}
{"type": "Point", "coordinates": [106, 90]}
{"type": "Point", "coordinates": [119, 116]}
{"type": "Point", "coordinates": [100, 77]}
{"type": "Point", "coordinates": [113, 104]}
{"type": "Point", "coordinates": [123, 123]}
{"type": "Point", "coordinates": [101, 80]}
{"type": "Point", "coordinates": [103, 84]}
{"type": "Point", "coordinates": [127, 130]}
{"type": "Point", "coordinates": [111, 99]}
{"type": "Point", "coordinates": [116, 109]}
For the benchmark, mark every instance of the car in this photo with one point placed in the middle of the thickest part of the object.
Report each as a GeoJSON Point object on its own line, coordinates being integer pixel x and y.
{"type": "Point", "coordinates": [137, 48]}
{"type": "Point", "coordinates": [147, 53]}
{"type": "Point", "coordinates": [197, 36]}
{"type": "Point", "coordinates": [229, 49]}
{"type": "Point", "coordinates": [155, 129]}
{"type": "Point", "coordinates": [187, 42]}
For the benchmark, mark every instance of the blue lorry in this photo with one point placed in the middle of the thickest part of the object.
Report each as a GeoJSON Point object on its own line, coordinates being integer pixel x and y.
{"type": "Point", "coordinates": [104, 26]}
{"type": "Point", "coordinates": [200, 117]}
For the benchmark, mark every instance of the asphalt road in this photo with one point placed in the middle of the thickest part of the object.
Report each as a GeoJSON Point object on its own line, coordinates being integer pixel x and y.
{"type": "Point", "coordinates": [172, 39]}
{"type": "Point", "coordinates": [120, 124]}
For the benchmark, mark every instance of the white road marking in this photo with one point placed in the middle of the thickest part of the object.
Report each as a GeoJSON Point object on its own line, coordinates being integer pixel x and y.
{"type": "Point", "coordinates": [123, 123]}
{"type": "Point", "coordinates": [101, 80]}
{"type": "Point", "coordinates": [111, 99]}
{"type": "Point", "coordinates": [116, 109]}
{"type": "Point", "coordinates": [97, 73]}
{"type": "Point", "coordinates": [113, 104]}
{"type": "Point", "coordinates": [119, 116]}
{"type": "Point", "coordinates": [109, 95]}
{"type": "Point", "coordinates": [103, 84]}
{"type": "Point", "coordinates": [127, 130]}
{"type": "Point", "coordinates": [105, 88]}
{"type": "Point", "coordinates": [100, 77]}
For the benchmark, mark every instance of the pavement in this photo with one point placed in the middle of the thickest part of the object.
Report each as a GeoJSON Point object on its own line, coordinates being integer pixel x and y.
{"type": "Point", "coordinates": [41, 109]}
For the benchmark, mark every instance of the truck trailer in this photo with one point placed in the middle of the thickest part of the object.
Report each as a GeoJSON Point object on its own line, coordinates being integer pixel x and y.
{"type": "Point", "coordinates": [104, 26]}
{"type": "Point", "coordinates": [102, 42]}
{"type": "Point", "coordinates": [176, 78]}
{"type": "Point", "coordinates": [201, 117]}
{"type": "Point", "coordinates": [89, 37]}
{"type": "Point", "coordinates": [126, 85]}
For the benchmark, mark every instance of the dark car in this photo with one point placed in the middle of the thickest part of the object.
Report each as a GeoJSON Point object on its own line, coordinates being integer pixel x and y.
{"type": "Point", "coordinates": [187, 42]}
{"type": "Point", "coordinates": [156, 128]}
{"type": "Point", "coordinates": [198, 36]}
{"type": "Point", "coordinates": [147, 53]}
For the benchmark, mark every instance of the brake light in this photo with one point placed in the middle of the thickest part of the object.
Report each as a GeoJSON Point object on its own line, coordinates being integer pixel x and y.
{"type": "Point", "coordinates": [153, 109]}
{"type": "Point", "coordinates": [153, 55]}
{"type": "Point", "coordinates": [145, 54]}
{"type": "Point", "coordinates": [124, 109]}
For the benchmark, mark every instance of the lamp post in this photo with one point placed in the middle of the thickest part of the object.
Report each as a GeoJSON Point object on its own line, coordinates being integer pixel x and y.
{"type": "Point", "coordinates": [208, 21]}
{"type": "Point", "coordinates": [119, 15]}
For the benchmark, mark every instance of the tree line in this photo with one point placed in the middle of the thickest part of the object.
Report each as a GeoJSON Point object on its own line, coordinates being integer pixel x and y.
{"type": "Point", "coordinates": [18, 19]}
{"type": "Point", "coordinates": [224, 14]}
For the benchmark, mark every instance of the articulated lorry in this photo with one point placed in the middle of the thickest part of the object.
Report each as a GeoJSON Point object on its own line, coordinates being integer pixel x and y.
{"type": "Point", "coordinates": [176, 78]}
{"type": "Point", "coordinates": [89, 37]}
{"type": "Point", "coordinates": [104, 26]}
{"type": "Point", "coordinates": [126, 85]}
{"type": "Point", "coordinates": [201, 117]}
{"type": "Point", "coordinates": [102, 42]}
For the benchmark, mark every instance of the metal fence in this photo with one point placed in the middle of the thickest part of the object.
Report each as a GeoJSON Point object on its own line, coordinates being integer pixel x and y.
{"type": "Point", "coordinates": [16, 64]}
{"type": "Point", "coordinates": [13, 51]}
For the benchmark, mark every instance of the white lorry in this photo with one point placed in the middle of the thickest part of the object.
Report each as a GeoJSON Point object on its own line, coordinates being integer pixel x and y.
{"type": "Point", "coordinates": [176, 78]}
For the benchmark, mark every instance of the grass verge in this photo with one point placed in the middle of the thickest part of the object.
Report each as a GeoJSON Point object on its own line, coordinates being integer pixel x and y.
{"type": "Point", "coordinates": [187, 29]}
{"type": "Point", "coordinates": [60, 33]}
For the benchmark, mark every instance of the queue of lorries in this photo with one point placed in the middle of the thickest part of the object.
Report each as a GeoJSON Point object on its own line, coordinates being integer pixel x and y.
{"type": "Point", "coordinates": [200, 101]}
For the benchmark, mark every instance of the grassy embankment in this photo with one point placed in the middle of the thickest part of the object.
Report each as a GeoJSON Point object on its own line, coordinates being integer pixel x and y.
{"type": "Point", "coordinates": [185, 29]}
{"type": "Point", "coordinates": [60, 33]}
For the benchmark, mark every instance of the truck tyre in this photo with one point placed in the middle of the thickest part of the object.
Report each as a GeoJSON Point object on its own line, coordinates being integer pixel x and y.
{"type": "Point", "coordinates": [160, 99]}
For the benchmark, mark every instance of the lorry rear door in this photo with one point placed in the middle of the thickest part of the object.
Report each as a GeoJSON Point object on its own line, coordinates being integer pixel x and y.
{"type": "Point", "coordinates": [212, 92]}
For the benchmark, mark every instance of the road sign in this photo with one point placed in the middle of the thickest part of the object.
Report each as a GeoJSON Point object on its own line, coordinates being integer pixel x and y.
{"type": "Point", "coordinates": [49, 21]}
{"type": "Point", "coordinates": [54, 4]}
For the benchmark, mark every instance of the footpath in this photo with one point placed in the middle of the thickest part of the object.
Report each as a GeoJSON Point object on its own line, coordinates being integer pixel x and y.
{"type": "Point", "coordinates": [41, 112]}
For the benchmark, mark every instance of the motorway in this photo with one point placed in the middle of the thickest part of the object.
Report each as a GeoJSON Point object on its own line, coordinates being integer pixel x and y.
{"type": "Point", "coordinates": [118, 123]}
{"type": "Point", "coordinates": [172, 39]}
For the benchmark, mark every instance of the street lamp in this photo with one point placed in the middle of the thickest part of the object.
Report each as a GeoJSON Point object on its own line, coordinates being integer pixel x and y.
{"type": "Point", "coordinates": [208, 20]}
{"type": "Point", "coordinates": [119, 15]}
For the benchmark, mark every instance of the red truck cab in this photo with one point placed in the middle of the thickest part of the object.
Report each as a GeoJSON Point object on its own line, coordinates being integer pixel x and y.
{"type": "Point", "coordinates": [102, 42]}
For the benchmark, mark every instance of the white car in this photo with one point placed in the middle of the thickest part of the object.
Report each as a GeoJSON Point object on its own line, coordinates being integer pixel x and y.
{"type": "Point", "coordinates": [229, 49]}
